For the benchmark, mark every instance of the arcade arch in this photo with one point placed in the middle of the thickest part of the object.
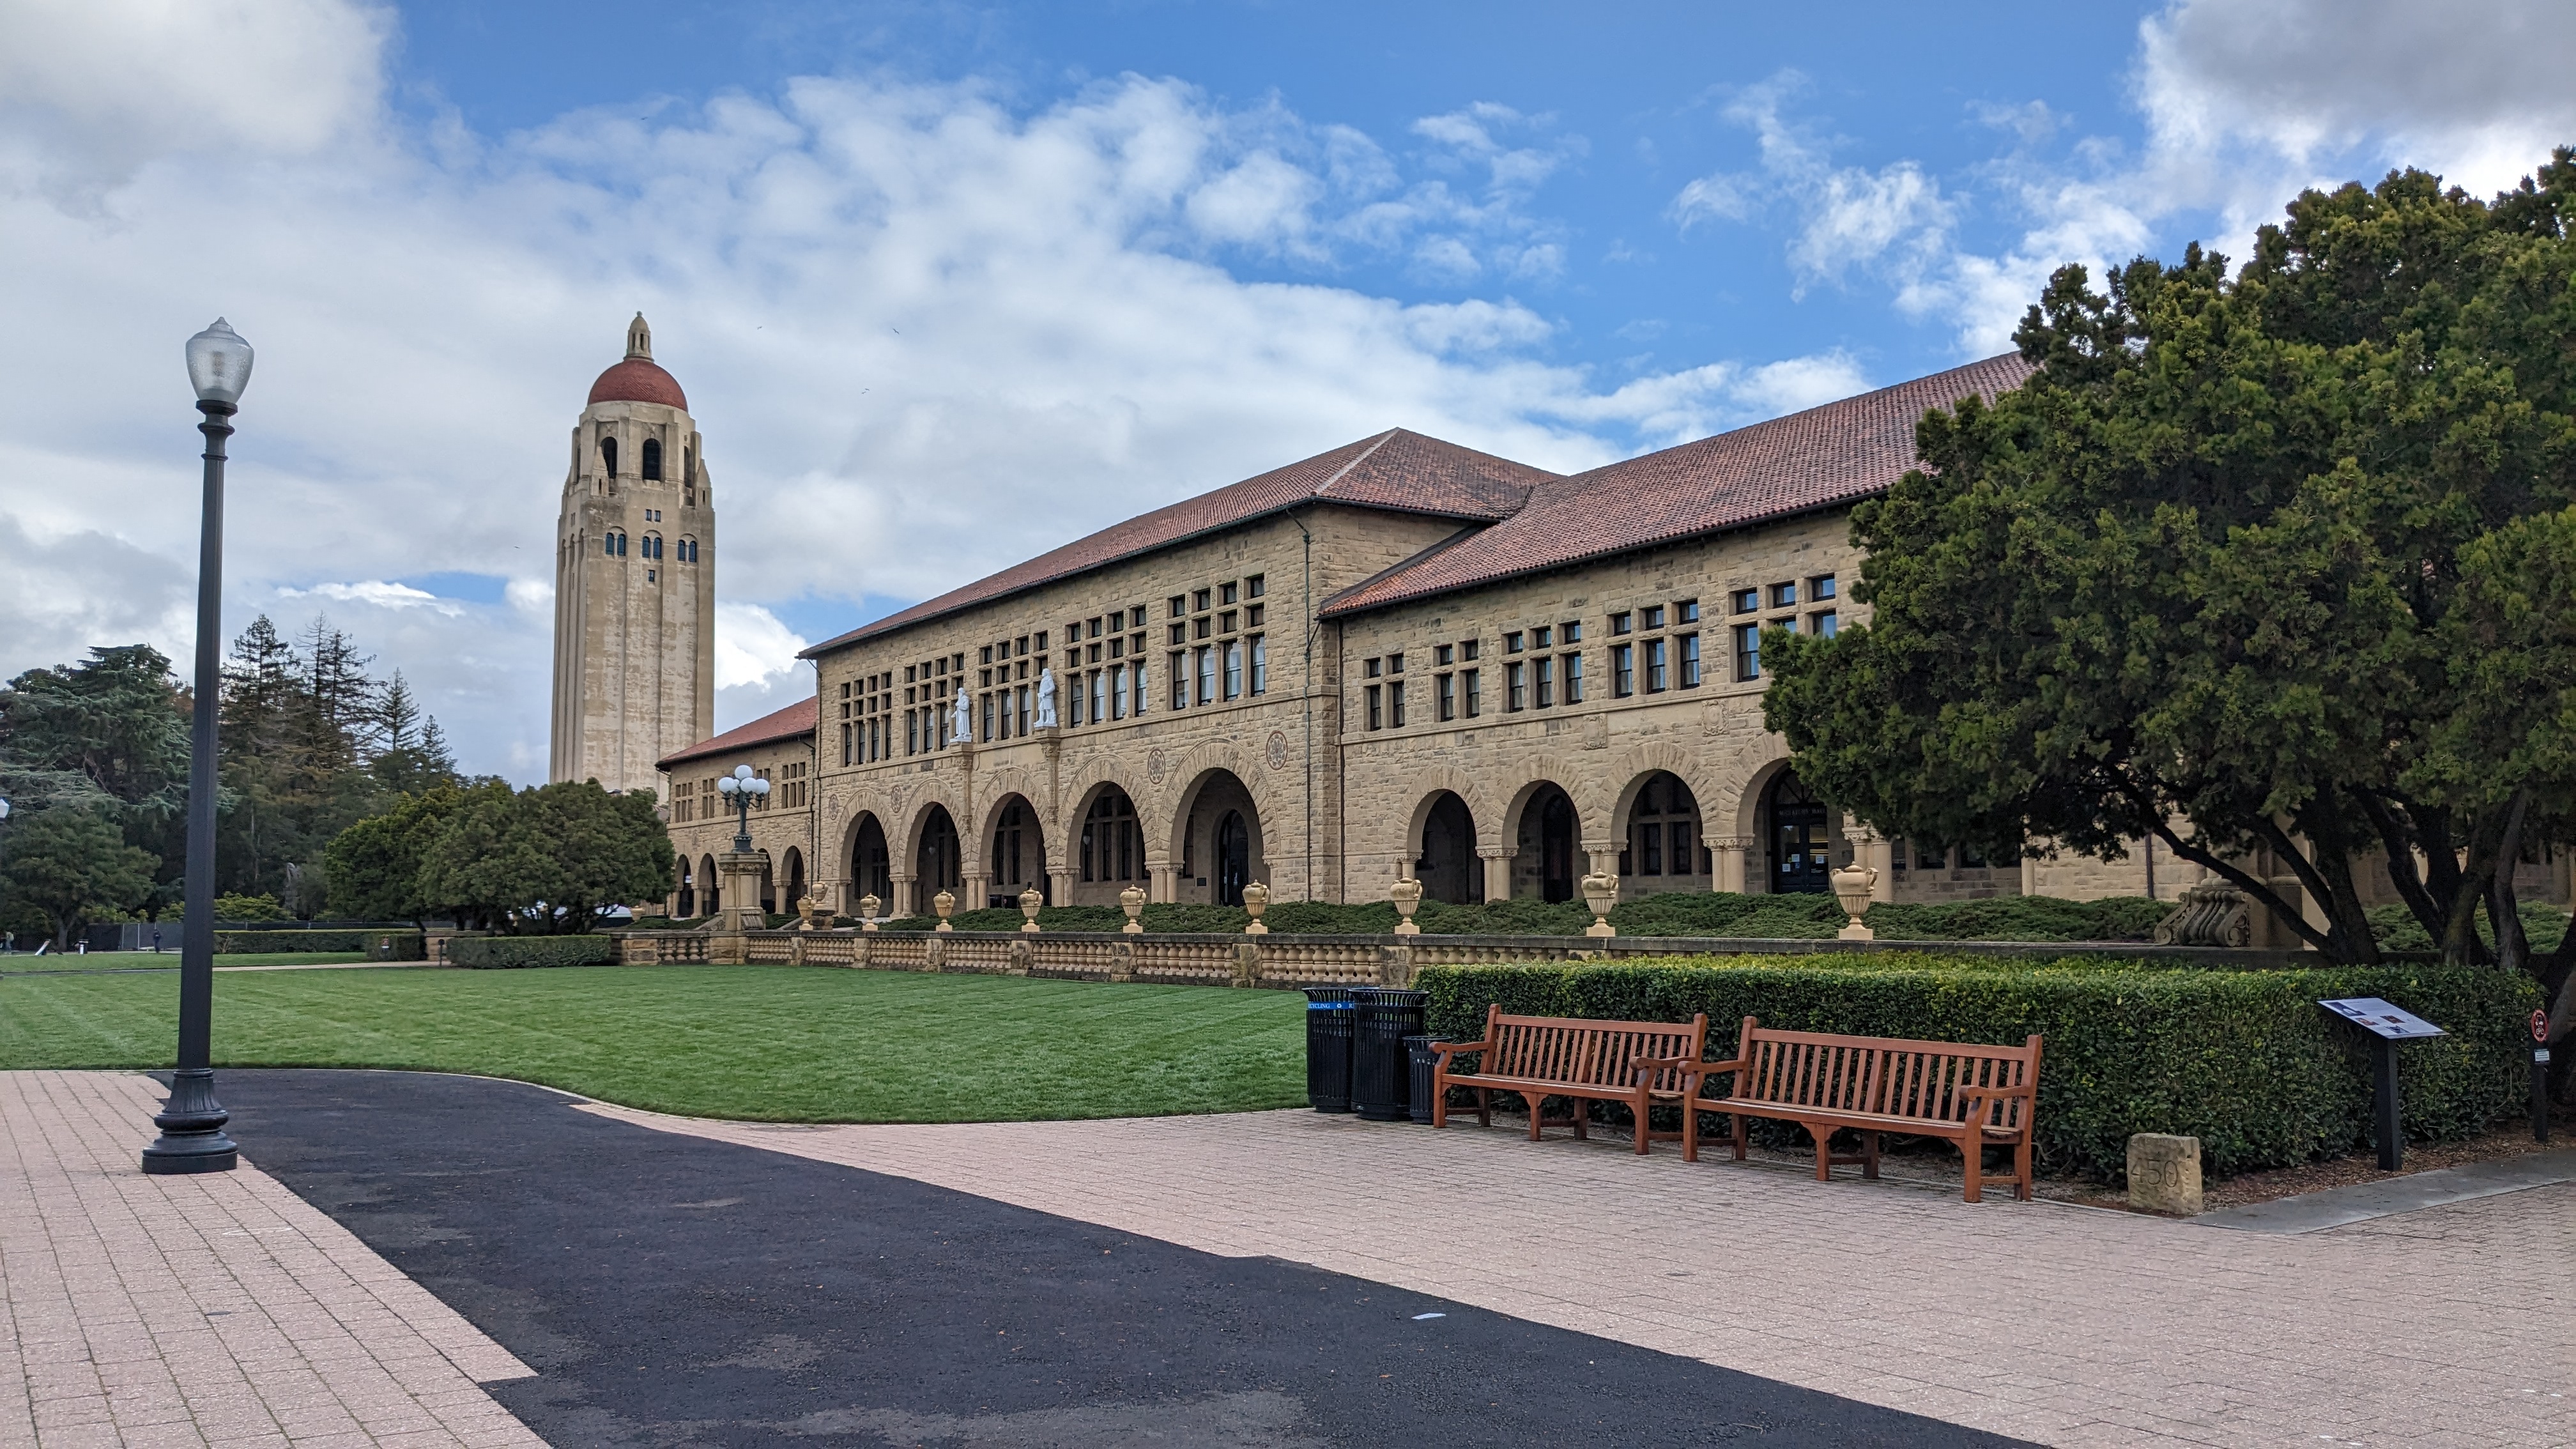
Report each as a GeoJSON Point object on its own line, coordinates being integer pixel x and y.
{"type": "Point", "coordinates": [1548, 834]}
{"type": "Point", "coordinates": [1664, 845]}
{"type": "Point", "coordinates": [1220, 846]}
{"type": "Point", "coordinates": [1108, 848]}
{"type": "Point", "coordinates": [1445, 856]}
{"type": "Point", "coordinates": [936, 860]}
{"type": "Point", "coordinates": [871, 865]}
{"type": "Point", "coordinates": [1015, 856]}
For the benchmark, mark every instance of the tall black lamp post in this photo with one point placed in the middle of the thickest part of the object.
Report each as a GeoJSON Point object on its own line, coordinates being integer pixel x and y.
{"type": "Point", "coordinates": [744, 788]}
{"type": "Point", "coordinates": [192, 1122]}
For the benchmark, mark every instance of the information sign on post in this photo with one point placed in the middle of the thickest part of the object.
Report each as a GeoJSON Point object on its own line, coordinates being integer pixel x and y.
{"type": "Point", "coordinates": [2540, 1076]}
{"type": "Point", "coordinates": [2388, 1024]}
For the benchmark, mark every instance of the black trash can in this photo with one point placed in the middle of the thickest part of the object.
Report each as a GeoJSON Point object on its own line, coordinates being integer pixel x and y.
{"type": "Point", "coordinates": [1381, 1077]}
{"type": "Point", "coordinates": [1425, 1063]}
{"type": "Point", "coordinates": [1328, 1048]}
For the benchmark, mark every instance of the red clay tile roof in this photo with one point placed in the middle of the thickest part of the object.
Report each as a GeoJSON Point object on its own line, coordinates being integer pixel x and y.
{"type": "Point", "coordinates": [639, 379]}
{"type": "Point", "coordinates": [1397, 470]}
{"type": "Point", "coordinates": [1838, 453]}
{"type": "Point", "coordinates": [790, 723]}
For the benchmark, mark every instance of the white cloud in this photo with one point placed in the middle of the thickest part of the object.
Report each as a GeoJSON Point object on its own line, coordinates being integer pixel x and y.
{"type": "Point", "coordinates": [924, 334]}
{"type": "Point", "coordinates": [2244, 103]}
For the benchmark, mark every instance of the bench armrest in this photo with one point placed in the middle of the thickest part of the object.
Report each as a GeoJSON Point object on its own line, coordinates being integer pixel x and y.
{"type": "Point", "coordinates": [1453, 1048]}
{"type": "Point", "coordinates": [2024, 1090]}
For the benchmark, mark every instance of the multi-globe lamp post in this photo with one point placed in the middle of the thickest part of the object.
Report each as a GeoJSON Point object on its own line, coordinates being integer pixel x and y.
{"type": "Point", "coordinates": [192, 1122]}
{"type": "Point", "coordinates": [743, 787]}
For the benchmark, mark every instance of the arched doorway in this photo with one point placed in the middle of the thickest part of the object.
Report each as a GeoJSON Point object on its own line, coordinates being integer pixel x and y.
{"type": "Point", "coordinates": [1800, 844]}
{"type": "Point", "coordinates": [687, 905]}
{"type": "Point", "coordinates": [1017, 860]}
{"type": "Point", "coordinates": [795, 880]}
{"type": "Point", "coordinates": [1220, 841]}
{"type": "Point", "coordinates": [768, 886]}
{"type": "Point", "coordinates": [1233, 858]}
{"type": "Point", "coordinates": [1447, 865]}
{"type": "Point", "coordinates": [1109, 852]}
{"type": "Point", "coordinates": [1549, 862]}
{"type": "Point", "coordinates": [711, 885]}
{"type": "Point", "coordinates": [935, 861]}
{"type": "Point", "coordinates": [1662, 851]}
{"type": "Point", "coordinates": [871, 867]}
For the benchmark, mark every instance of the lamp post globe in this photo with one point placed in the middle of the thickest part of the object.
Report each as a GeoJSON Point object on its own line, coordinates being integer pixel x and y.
{"type": "Point", "coordinates": [192, 1122]}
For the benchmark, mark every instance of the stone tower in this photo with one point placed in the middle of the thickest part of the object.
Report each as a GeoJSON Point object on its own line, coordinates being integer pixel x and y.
{"type": "Point", "coordinates": [635, 592]}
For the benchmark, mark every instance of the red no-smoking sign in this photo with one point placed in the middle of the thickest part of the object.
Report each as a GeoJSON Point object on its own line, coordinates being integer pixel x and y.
{"type": "Point", "coordinates": [2540, 1026]}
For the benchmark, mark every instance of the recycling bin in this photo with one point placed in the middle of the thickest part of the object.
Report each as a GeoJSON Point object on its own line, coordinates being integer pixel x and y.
{"type": "Point", "coordinates": [1329, 1014]}
{"type": "Point", "coordinates": [1425, 1063]}
{"type": "Point", "coordinates": [1381, 1076]}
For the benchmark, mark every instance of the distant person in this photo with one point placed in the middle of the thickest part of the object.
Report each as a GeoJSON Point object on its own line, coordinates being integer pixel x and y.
{"type": "Point", "coordinates": [156, 938]}
{"type": "Point", "coordinates": [83, 947]}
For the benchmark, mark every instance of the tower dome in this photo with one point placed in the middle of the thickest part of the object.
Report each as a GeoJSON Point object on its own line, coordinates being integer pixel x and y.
{"type": "Point", "coordinates": [639, 378]}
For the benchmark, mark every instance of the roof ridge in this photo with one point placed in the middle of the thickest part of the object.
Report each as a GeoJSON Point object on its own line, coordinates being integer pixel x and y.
{"type": "Point", "coordinates": [1344, 471]}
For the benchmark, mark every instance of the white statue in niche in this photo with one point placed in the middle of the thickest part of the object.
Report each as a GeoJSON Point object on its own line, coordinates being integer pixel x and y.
{"type": "Point", "coordinates": [1044, 719]}
{"type": "Point", "coordinates": [965, 716]}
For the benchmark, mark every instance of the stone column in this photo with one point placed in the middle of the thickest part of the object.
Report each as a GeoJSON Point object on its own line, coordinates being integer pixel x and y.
{"type": "Point", "coordinates": [1060, 885]}
{"type": "Point", "coordinates": [974, 888]}
{"type": "Point", "coordinates": [1731, 852]}
{"type": "Point", "coordinates": [739, 874]}
{"type": "Point", "coordinates": [899, 894]}
{"type": "Point", "coordinates": [1498, 870]}
{"type": "Point", "coordinates": [1164, 877]}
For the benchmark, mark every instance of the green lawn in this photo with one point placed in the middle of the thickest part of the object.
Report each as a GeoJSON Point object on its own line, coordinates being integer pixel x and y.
{"type": "Point", "coordinates": [17, 963]}
{"type": "Point", "coordinates": [793, 1044]}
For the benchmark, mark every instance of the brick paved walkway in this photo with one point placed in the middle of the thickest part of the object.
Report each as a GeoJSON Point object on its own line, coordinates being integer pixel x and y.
{"type": "Point", "coordinates": [2059, 1324]}
{"type": "Point", "coordinates": [150, 1311]}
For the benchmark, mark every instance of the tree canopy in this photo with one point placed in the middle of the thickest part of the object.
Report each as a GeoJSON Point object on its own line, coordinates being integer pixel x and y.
{"type": "Point", "coordinates": [2269, 564]}
{"type": "Point", "coordinates": [70, 865]}
{"type": "Point", "coordinates": [547, 858]}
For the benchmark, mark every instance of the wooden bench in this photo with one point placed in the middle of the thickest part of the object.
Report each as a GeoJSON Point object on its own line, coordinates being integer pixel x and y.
{"type": "Point", "coordinates": [1975, 1096]}
{"type": "Point", "coordinates": [1641, 1063]}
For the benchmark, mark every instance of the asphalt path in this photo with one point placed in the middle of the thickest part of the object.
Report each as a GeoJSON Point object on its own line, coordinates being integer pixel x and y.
{"type": "Point", "coordinates": [672, 1291]}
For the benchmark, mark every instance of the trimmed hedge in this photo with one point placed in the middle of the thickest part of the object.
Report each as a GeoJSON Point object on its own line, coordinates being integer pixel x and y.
{"type": "Point", "coordinates": [519, 951]}
{"type": "Point", "coordinates": [2243, 1060]}
{"type": "Point", "coordinates": [244, 943]}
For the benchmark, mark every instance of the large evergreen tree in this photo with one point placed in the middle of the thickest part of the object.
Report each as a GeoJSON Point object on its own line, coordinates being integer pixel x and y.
{"type": "Point", "coordinates": [2263, 562]}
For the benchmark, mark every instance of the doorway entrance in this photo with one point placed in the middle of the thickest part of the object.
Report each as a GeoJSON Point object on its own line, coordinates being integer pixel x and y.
{"type": "Point", "coordinates": [1233, 858]}
{"type": "Point", "coordinates": [1801, 858]}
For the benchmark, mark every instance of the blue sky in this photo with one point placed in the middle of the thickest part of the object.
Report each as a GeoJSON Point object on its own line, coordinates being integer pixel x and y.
{"type": "Point", "coordinates": [948, 284]}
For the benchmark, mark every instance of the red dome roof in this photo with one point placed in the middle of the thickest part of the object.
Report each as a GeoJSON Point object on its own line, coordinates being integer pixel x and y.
{"type": "Point", "coordinates": [639, 379]}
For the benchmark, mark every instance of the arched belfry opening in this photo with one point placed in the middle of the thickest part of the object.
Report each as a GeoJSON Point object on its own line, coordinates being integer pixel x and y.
{"type": "Point", "coordinates": [608, 455]}
{"type": "Point", "coordinates": [651, 464]}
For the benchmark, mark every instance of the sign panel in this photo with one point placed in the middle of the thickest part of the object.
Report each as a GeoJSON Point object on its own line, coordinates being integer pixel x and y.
{"type": "Point", "coordinates": [2540, 1026]}
{"type": "Point", "coordinates": [2381, 1019]}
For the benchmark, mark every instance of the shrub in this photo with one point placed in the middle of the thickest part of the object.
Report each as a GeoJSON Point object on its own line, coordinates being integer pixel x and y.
{"type": "Point", "coordinates": [238, 943]}
{"type": "Point", "coordinates": [2396, 929]}
{"type": "Point", "coordinates": [2243, 1060]}
{"type": "Point", "coordinates": [232, 907]}
{"type": "Point", "coordinates": [520, 951]}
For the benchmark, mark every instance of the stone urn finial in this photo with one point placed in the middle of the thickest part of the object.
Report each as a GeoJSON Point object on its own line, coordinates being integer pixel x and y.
{"type": "Point", "coordinates": [805, 911]}
{"type": "Point", "coordinates": [943, 903]}
{"type": "Point", "coordinates": [1030, 900]}
{"type": "Point", "coordinates": [868, 908]}
{"type": "Point", "coordinates": [1407, 895]}
{"type": "Point", "coordinates": [1600, 892]}
{"type": "Point", "coordinates": [1852, 885]}
{"type": "Point", "coordinates": [1132, 901]}
{"type": "Point", "coordinates": [1256, 899]}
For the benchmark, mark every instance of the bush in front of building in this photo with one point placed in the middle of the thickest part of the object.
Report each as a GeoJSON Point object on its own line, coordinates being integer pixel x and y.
{"type": "Point", "coordinates": [406, 943]}
{"type": "Point", "coordinates": [504, 952]}
{"type": "Point", "coordinates": [2243, 1060]}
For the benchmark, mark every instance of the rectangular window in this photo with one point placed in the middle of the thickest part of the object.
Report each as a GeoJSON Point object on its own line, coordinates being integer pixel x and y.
{"type": "Point", "coordinates": [1376, 706]}
{"type": "Point", "coordinates": [1117, 691]}
{"type": "Point", "coordinates": [1820, 588]}
{"type": "Point", "coordinates": [1512, 641]}
{"type": "Point", "coordinates": [983, 679]}
{"type": "Point", "coordinates": [1655, 666]}
{"type": "Point", "coordinates": [1444, 696]}
{"type": "Point", "coordinates": [846, 757]}
{"type": "Point", "coordinates": [1623, 623]}
{"type": "Point", "coordinates": [1042, 644]}
{"type": "Point", "coordinates": [1686, 612]}
{"type": "Point", "coordinates": [1253, 615]}
{"type": "Point", "coordinates": [1136, 688]}
{"type": "Point", "coordinates": [1783, 595]}
{"type": "Point", "coordinates": [1395, 704]}
{"type": "Point", "coordinates": [1021, 709]}
{"type": "Point", "coordinates": [1225, 622]}
{"type": "Point", "coordinates": [1177, 634]}
{"type": "Point", "coordinates": [1543, 683]}
{"type": "Point", "coordinates": [1688, 646]}
{"type": "Point", "coordinates": [1179, 606]}
{"type": "Point", "coordinates": [1099, 696]}
{"type": "Point", "coordinates": [1744, 601]}
{"type": "Point", "coordinates": [1198, 601]}
{"type": "Point", "coordinates": [1623, 670]}
{"type": "Point", "coordinates": [986, 657]}
{"type": "Point", "coordinates": [1573, 678]}
{"type": "Point", "coordinates": [1233, 669]}
{"type": "Point", "coordinates": [1180, 680]}
{"type": "Point", "coordinates": [1748, 652]}
{"type": "Point", "coordinates": [1118, 648]}
{"type": "Point", "coordinates": [1515, 687]}
{"type": "Point", "coordinates": [1542, 637]}
{"type": "Point", "coordinates": [1650, 848]}
{"type": "Point", "coordinates": [1207, 674]}
{"type": "Point", "coordinates": [1395, 664]}
{"type": "Point", "coordinates": [1093, 627]}
{"type": "Point", "coordinates": [1260, 664]}
{"type": "Point", "coordinates": [1571, 631]}
{"type": "Point", "coordinates": [1654, 617]}
{"type": "Point", "coordinates": [1443, 655]}
{"type": "Point", "coordinates": [1252, 587]}
{"type": "Point", "coordinates": [1369, 668]}
{"type": "Point", "coordinates": [1225, 593]}
{"type": "Point", "coordinates": [1822, 624]}
{"type": "Point", "coordinates": [1073, 699]}
{"type": "Point", "coordinates": [1475, 693]}
{"type": "Point", "coordinates": [987, 702]}
{"type": "Point", "coordinates": [1199, 626]}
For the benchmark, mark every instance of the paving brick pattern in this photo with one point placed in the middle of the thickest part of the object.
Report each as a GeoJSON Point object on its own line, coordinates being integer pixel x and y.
{"type": "Point", "coordinates": [151, 1311]}
{"type": "Point", "coordinates": [2055, 1323]}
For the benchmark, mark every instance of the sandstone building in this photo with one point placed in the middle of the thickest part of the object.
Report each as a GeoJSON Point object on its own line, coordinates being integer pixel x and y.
{"type": "Point", "coordinates": [1400, 657]}
{"type": "Point", "coordinates": [634, 661]}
